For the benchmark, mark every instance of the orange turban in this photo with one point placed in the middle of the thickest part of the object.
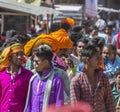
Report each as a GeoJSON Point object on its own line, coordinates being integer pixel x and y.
{"type": "Point", "coordinates": [8, 51]}
{"type": "Point", "coordinates": [43, 38]}
{"type": "Point", "coordinates": [70, 21]}
{"type": "Point", "coordinates": [63, 38]}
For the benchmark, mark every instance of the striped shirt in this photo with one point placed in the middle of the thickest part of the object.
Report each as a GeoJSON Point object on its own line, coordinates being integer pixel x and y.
{"type": "Point", "coordinates": [99, 98]}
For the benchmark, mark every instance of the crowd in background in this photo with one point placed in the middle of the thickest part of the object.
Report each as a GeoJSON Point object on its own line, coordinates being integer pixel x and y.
{"type": "Point", "coordinates": [72, 63]}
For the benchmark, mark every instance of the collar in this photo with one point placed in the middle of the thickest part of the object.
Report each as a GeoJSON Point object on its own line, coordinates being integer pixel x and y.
{"type": "Point", "coordinates": [46, 73]}
{"type": "Point", "coordinates": [19, 71]}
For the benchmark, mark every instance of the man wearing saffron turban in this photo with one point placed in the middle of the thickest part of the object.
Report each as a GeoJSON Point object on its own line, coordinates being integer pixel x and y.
{"type": "Point", "coordinates": [14, 79]}
{"type": "Point", "coordinates": [58, 39]}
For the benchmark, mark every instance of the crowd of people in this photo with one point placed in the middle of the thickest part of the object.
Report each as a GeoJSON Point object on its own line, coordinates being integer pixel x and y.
{"type": "Point", "coordinates": [71, 69]}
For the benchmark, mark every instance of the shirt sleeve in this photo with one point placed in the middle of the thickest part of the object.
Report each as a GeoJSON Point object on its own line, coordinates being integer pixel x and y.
{"type": "Point", "coordinates": [75, 90]}
{"type": "Point", "coordinates": [109, 102]}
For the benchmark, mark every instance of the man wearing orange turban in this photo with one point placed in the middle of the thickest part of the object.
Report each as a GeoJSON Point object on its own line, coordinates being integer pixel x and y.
{"type": "Point", "coordinates": [58, 39]}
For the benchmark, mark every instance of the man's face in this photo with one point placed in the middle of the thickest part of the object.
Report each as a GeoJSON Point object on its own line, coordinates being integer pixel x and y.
{"type": "Point", "coordinates": [16, 58]}
{"type": "Point", "coordinates": [39, 63]}
{"type": "Point", "coordinates": [80, 47]}
{"type": "Point", "coordinates": [105, 52]}
{"type": "Point", "coordinates": [94, 61]}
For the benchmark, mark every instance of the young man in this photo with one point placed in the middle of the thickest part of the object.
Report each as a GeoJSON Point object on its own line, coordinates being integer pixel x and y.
{"type": "Point", "coordinates": [46, 86]}
{"type": "Point", "coordinates": [111, 60]}
{"type": "Point", "coordinates": [116, 88]}
{"type": "Point", "coordinates": [14, 79]}
{"type": "Point", "coordinates": [91, 85]}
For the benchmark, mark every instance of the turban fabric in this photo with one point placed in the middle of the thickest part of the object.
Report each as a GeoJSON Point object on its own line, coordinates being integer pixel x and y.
{"type": "Point", "coordinates": [62, 36]}
{"type": "Point", "coordinates": [58, 39]}
{"type": "Point", "coordinates": [43, 38]}
{"type": "Point", "coordinates": [8, 51]}
{"type": "Point", "coordinates": [69, 21]}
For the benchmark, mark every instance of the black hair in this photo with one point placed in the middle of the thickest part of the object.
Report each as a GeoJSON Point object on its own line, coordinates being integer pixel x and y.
{"type": "Point", "coordinates": [54, 27]}
{"type": "Point", "coordinates": [65, 26]}
{"type": "Point", "coordinates": [89, 51]}
{"type": "Point", "coordinates": [76, 28]}
{"type": "Point", "coordinates": [98, 41]}
{"type": "Point", "coordinates": [16, 39]}
{"type": "Point", "coordinates": [92, 27]}
{"type": "Point", "coordinates": [112, 46]}
{"type": "Point", "coordinates": [22, 38]}
{"type": "Point", "coordinates": [83, 40]}
{"type": "Point", "coordinates": [75, 37]}
{"type": "Point", "coordinates": [43, 51]}
{"type": "Point", "coordinates": [10, 41]}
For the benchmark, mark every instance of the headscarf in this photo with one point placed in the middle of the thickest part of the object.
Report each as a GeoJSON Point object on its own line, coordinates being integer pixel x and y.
{"type": "Point", "coordinates": [70, 21]}
{"type": "Point", "coordinates": [8, 51]}
{"type": "Point", "coordinates": [43, 38]}
{"type": "Point", "coordinates": [63, 38]}
{"type": "Point", "coordinates": [58, 39]}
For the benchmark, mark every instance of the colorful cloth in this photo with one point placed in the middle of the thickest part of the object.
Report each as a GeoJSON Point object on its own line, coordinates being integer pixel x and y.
{"type": "Point", "coordinates": [70, 21]}
{"type": "Point", "coordinates": [58, 70]}
{"type": "Point", "coordinates": [116, 94]}
{"type": "Point", "coordinates": [35, 102]}
{"type": "Point", "coordinates": [99, 98]}
{"type": "Point", "coordinates": [63, 38]}
{"type": "Point", "coordinates": [43, 38]}
{"type": "Point", "coordinates": [13, 90]}
{"type": "Point", "coordinates": [58, 62]}
{"type": "Point", "coordinates": [110, 68]}
{"type": "Point", "coordinates": [118, 41]}
{"type": "Point", "coordinates": [4, 61]}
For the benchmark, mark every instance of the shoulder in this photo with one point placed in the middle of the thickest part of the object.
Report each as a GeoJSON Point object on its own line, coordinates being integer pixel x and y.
{"type": "Point", "coordinates": [103, 77]}
{"type": "Point", "coordinates": [3, 72]}
{"type": "Point", "coordinates": [79, 77]}
{"type": "Point", "coordinates": [56, 69]}
{"type": "Point", "coordinates": [26, 71]}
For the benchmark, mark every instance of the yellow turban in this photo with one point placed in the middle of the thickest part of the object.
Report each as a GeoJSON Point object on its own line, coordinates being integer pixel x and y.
{"type": "Point", "coordinates": [70, 21]}
{"type": "Point", "coordinates": [8, 51]}
{"type": "Point", "coordinates": [43, 38]}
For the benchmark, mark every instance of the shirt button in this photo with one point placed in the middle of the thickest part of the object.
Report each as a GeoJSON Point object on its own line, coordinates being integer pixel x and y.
{"type": "Point", "coordinates": [9, 99]}
{"type": "Point", "coordinates": [8, 110]}
{"type": "Point", "coordinates": [10, 90]}
{"type": "Point", "coordinates": [13, 84]}
{"type": "Point", "coordinates": [94, 104]}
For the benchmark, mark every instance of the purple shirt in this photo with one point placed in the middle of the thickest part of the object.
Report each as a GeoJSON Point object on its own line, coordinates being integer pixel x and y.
{"type": "Point", "coordinates": [37, 93]}
{"type": "Point", "coordinates": [13, 90]}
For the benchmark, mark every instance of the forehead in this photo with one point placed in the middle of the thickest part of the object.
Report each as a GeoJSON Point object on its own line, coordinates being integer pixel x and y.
{"type": "Point", "coordinates": [80, 43]}
{"type": "Point", "coordinates": [19, 53]}
{"type": "Point", "coordinates": [35, 57]}
{"type": "Point", "coordinates": [105, 48]}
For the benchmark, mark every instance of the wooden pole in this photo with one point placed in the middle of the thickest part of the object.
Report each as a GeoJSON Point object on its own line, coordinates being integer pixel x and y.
{"type": "Point", "coordinates": [2, 23]}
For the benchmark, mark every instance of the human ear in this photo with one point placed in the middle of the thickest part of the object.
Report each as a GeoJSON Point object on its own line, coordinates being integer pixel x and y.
{"type": "Point", "coordinates": [87, 60]}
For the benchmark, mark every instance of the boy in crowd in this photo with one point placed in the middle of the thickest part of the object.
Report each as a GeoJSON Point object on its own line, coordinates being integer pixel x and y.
{"type": "Point", "coordinates": [92, 85]}
{"type": "Point", "coordinates": [46, 86]}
